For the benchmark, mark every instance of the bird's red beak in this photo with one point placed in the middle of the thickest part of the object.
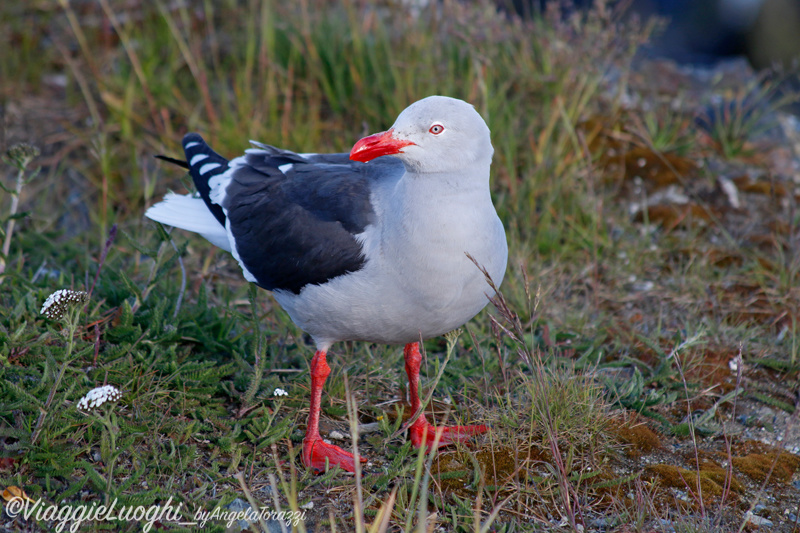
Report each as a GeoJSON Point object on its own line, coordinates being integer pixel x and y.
{"type": "Point", "coordinates": [377, 145]}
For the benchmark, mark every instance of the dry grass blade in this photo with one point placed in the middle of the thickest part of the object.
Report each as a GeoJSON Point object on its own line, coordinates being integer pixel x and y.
{"type": "Point", "coordinates": [239, 476]}
{"type": "Point", "coordinates": [130, 49]}
{"type": "Point", "coordinates": [383, 518]}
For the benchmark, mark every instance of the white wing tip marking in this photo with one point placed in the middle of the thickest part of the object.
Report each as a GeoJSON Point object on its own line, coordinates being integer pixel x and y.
{"type": "Point", "coordinates": [286, 167]}
{"type": "Point", "coordinates": [208, 167]}
{"type": "Point", "coordinates": [197, 158]}
{"type": "Point", "coordinates": [191, 145]}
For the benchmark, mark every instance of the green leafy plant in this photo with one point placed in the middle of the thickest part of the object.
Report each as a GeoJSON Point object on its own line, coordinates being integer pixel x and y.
{"type": "Point", "coordinates": [65, 305]}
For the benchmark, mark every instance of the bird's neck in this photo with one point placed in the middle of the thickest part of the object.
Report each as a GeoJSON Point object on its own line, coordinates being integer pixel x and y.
{"type": "Point", "coordinates": [468, 179]}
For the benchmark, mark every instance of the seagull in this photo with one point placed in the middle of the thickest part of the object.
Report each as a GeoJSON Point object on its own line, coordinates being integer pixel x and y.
{"type": "Point", "coordinates": [370, 246]}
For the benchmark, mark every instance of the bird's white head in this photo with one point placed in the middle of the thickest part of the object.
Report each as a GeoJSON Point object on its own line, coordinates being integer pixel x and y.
{"type": "Point", "coordinates": [435, 134]}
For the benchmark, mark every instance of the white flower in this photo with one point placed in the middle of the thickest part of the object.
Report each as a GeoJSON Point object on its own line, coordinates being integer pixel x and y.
{"type": "Point", "coordinates": [60, 301]}
{"type": "Point", "coordinates": [280, 392]}
{"type": "Point", "coordinates": [736, 363]}
{"type": "Point", "coordinates": [98, 396]}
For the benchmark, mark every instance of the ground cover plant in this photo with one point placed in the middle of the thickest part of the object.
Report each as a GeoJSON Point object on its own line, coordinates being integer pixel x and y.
{"type": "Point", "coordinates": [638, 371]}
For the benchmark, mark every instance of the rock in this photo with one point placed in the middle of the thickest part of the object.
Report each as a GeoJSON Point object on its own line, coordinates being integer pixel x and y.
{"type": "Point", "coordinates": [601, 523]}
{"type": "Point", "coordinates": [667, 525]}
{"type": "Point", "coordinates": [240, 506]}
{"type": "Point", "coordinates": [756, 520]}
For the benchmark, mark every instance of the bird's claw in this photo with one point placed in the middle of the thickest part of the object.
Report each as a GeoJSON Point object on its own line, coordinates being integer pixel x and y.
{"type": "Point", "coordinates": [421, 432]}
{"type": "Point", "coordinates": [315, 452]}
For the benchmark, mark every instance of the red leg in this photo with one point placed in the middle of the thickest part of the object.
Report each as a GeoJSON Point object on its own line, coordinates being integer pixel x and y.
{"type": "Point", "coordinates": [315, 451]}
{"type": "Point", "coordinates": [421, 432]}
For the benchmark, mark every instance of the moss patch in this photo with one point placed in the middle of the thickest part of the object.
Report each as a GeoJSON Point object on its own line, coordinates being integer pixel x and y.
{"type": "Point", "coordinates": [711, 477]}
{"type": "Point", "coordinates": [499, 465]}
{"type": "Point", "coordinates": [639, 438]}
{"type": "Point", "coordinates": [461, 471]}
{"type": "Point", "coordinates": [757, 466]}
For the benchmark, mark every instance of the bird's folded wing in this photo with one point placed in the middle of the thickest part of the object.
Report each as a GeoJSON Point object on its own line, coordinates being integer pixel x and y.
{"type": "Point", "coordinates": [294, 219]}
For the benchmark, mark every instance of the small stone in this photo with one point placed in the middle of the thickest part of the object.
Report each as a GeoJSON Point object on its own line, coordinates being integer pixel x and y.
{"type": "Point", "coordinates": [667, 525]}
{"type": "Point", "coordinates": [274, 526]}
{"type": "Point", "coordinates": [731, 191]}
{"type": "Point", "coordinates": [308, 506]}
{"type": "Point", "coordinates": [240, 508]}
{"type": "Point", "coordinates": [601, 523]}
{"type": "Point", "coordinates": [756, 520]}
{"type": "Point", "coordinates": [336, 435]}
{"type": "Point", "coordinates": [238, 504]}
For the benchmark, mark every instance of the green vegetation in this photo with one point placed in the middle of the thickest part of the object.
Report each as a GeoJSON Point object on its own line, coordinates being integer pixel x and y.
{"type": "Point", "coordinates": [642, 311]}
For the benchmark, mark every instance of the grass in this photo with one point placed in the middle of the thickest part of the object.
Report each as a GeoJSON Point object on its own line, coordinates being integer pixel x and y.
{"type": "Point", "coordinates": [608, 351]}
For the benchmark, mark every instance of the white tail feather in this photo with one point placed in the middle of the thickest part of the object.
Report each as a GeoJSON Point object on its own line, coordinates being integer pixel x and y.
{"type": "Point", "coordinates": [191, 214]}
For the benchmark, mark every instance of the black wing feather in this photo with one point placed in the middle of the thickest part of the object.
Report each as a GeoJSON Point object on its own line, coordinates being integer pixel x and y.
{"type": "Point", "coordinates": [293, 228]}
{"type": "Point", "coordinates": [193, 145]}
{"type": "Point", "coordinates": [298, 228]}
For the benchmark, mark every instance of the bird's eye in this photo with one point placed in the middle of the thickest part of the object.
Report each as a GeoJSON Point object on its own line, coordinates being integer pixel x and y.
{"type": "Point", "coordinates": [436, 129]}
